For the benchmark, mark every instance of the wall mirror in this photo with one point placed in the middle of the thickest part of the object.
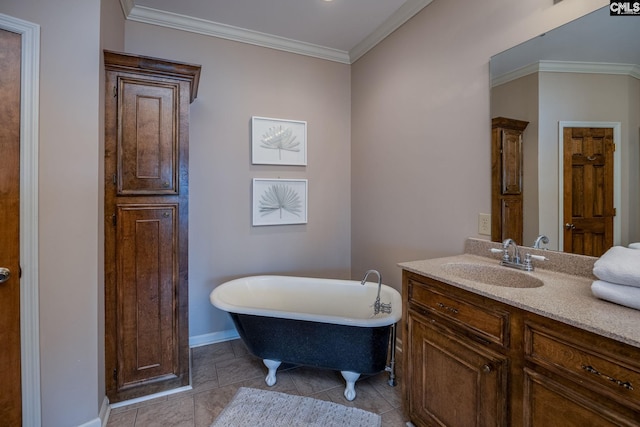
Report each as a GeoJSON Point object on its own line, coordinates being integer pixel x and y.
{"type": "Point", "coordinates": [584, 74]}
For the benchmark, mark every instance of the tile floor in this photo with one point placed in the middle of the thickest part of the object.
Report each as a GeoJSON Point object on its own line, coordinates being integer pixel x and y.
{"type": "Point", "coordinates": [218, 370]}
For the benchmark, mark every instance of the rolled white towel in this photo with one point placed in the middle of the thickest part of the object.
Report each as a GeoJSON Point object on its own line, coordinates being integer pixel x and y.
{"type": "Point", "coordinates": [629, 296]}
{"type": "Point", "coordinates": [619, 265]}
{"type": "Point", "coordinates": [634, 245]}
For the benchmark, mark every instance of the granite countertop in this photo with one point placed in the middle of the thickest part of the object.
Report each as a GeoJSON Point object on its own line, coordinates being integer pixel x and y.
{"type": "Point", "coordinates": [563, 297]}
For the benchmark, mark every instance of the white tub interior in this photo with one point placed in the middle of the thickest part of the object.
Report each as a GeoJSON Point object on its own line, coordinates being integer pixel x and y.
{"type": "Point", "coordinates": [345, 302]}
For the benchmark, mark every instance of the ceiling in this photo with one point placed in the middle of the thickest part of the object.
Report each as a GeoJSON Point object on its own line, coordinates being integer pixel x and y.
{"type": "Point", "coordinates": [339, 30]}
{"type": "Point", "coordinates": [591, 43]}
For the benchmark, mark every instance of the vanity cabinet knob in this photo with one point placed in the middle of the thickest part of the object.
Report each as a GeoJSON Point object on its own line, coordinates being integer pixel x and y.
{"type": "Point", "coordinates": [486, 368]}
{"type": "Point", "coordinates": [569, 226]}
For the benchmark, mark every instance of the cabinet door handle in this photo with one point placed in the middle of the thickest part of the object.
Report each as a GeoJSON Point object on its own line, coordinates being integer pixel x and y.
{"type": "Point", "coordinates": [486, 368]}
{"type": "Point", "coordinates": [447, 308]}
{"type": "Point", "coordinates": [592, 370]}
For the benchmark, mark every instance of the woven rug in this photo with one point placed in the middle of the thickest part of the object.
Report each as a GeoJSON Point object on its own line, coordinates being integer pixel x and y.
{"type": "Point", "coordinates": [261, 408]}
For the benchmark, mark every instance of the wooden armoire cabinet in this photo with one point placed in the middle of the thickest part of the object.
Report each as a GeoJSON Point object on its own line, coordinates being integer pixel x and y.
{"type": "Point", "coordinates": [506, 179]}
{"type": "Point", "coordinates": [146, 202]}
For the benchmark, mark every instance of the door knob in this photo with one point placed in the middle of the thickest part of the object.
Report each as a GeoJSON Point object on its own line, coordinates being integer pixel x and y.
{"type": "Point", "coordinates": [5, 273]}
{"type": "Point", "coordinates": [569, 226]}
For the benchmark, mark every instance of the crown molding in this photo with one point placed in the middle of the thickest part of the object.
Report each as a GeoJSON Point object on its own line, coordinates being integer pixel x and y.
{"type": "Point", "coordinates": [632, 70]}
{"type": "Point", "coordinates": [176, 21]}
{"type": "Point", "coordinates": [407, 11]}
{"type": "Point", "coordinates": [127, 6]}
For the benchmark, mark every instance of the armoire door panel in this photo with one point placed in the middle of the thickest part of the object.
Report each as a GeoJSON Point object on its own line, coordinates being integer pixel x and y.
{"type": "Point", "coordinates": [148, 138]}
{"type": "Point", "coordinates": [147, 246]}
{"type": "Point", "coordinates": [511, 162]}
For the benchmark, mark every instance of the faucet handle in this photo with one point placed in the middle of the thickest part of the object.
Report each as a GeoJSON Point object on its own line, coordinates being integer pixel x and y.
{"type": "Point", "coordinates": [504, 252]}
{"type": "Point", "coordinates": [528, 265]}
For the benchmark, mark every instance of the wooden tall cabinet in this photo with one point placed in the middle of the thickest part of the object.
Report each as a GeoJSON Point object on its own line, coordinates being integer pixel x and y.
{"type": "Point", "coordinates": [146, 223]}
{"type": "Point", "coordinates": [506, 179]}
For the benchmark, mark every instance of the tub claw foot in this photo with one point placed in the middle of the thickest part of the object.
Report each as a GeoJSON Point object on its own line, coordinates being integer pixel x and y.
{"type": "Point", "coordinates": [350, 378]}
{"type": "Point", "coordinates": [272, 365]}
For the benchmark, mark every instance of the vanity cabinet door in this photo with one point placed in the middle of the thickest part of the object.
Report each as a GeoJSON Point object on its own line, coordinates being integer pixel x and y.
{"type": "Point", "coordinates": [548, 402]}
{"type": "Point", "coordinates": [454, 381]}
{"type": "Point", "coordinates": [576, 378]}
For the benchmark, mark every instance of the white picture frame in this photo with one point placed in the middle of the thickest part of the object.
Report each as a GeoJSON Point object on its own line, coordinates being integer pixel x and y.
{"type": "Point", "coordinates": [278, 141]}
{"type": "Point", "coordinates": [279, 201]}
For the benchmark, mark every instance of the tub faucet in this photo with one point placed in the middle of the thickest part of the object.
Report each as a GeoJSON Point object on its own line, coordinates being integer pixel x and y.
{"type": "Point", "coordinates": [377, 306]}
{"type": "Point", "coordinates": [540, 239]}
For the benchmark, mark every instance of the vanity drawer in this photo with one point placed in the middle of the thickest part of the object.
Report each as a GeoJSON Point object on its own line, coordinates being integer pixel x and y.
{"type": "Point", "coordinates": [600, 371]}
{"type": "Point", "coordinates": [486, 322]}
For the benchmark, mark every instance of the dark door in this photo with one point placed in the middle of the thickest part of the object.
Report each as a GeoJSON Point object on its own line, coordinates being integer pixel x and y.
{"type": "Point", "coordinates": [11, 394]}
{"type": "Point", "coordinates": [588, 190]}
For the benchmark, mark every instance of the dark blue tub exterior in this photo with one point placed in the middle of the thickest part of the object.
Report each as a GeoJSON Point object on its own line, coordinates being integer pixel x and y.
{"type": "Point", "coordinates": [316, 344]}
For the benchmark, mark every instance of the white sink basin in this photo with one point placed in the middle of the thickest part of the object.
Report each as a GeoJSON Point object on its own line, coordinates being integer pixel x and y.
{"type": "Point", "coordinates": [493, 275]}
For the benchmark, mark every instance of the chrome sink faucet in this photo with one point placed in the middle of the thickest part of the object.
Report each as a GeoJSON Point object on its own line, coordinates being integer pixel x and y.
{"type": "Point", "coordinates": [540, 239]}
{"type": "Point", "coordinates": [516, 254]}
{"type": "Point", "coordinates": [377, 305]}
{"type": "Point", "coordinates": [515, 261]}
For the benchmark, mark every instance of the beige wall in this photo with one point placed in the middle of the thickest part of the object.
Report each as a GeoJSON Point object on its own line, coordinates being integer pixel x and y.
{"type": "Point", "coordinates": [420, 127]}
{"type": "Point", "coordinates": [239, 81]}
{"type": "Point", "coordinates": [398, 160]}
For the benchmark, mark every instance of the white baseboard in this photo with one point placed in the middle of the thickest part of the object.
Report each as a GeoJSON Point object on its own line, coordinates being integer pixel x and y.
{"type": "Point", "coordinates": [103, 416]}
{"type": "Point", "coordinates": [105, 410]}
{"type": "Point", "coordinates": [213, 338]}
{"type": "Point", "coordinates": [93, 423]}
{"type": "Point", "coordinates": [150, 397]}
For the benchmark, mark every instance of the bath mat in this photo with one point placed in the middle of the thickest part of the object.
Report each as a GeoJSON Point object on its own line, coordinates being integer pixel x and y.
{"type": "Point", "coordinates": [252, 407]}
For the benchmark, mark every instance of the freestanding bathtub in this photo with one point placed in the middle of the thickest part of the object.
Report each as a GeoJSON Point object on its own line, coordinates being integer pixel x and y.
{"type": "Point", "coordinates": [324, 323]}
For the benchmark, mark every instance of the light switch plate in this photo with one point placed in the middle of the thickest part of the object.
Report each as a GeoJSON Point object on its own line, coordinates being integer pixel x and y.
{"type": "Point", "coordinates": [484, 224]}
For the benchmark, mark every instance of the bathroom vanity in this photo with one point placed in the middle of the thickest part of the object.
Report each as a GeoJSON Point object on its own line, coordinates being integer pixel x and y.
{"type": "Point", "coordinates": [485, 345]}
